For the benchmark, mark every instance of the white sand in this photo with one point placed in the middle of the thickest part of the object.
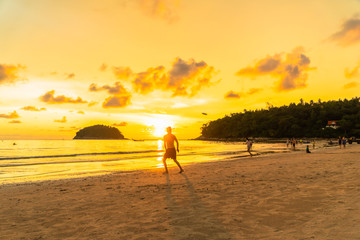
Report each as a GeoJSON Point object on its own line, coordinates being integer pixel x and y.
{"type": "Point", "coordinates": [279, 196]}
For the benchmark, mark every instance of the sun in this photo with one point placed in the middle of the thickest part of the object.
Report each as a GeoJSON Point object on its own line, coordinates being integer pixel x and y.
{"type": "Point", "coordinates": [157, 126]}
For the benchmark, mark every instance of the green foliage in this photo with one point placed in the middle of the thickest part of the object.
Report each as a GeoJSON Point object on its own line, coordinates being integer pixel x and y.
{"type": "Point", "coordinates": [296, 120]}
{"type": "Point", "coordinates": [99, 132]}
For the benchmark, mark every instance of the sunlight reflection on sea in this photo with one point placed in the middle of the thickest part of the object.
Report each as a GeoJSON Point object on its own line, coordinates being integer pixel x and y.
{"type": "Point", "coordinates": [32, 160]}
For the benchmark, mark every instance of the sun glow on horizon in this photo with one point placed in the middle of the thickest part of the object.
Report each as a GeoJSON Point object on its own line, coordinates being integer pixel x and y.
{"type": "Point", "coordinates": [157, 126]}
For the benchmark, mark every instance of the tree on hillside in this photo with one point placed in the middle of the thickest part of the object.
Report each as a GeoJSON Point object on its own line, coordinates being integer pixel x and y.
{"type": "Point", "coordinates": [99, 132]}
{"type": "Point", "coordinates": [295, 120]}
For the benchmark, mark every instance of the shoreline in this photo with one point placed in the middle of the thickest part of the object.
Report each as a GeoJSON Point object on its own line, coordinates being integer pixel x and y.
{"type": "Point", "coordinates": [36, 178]}
{"type": "Point", "coordinates": [274, 196]}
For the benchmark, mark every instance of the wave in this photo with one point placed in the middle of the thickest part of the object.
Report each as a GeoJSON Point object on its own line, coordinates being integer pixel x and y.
{"type": "Point", "coordinates": [78, 155]}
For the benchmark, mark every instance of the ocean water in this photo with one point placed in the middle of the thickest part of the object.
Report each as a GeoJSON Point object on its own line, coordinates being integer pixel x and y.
{"type": "Point", "coordinates": [34, 160]}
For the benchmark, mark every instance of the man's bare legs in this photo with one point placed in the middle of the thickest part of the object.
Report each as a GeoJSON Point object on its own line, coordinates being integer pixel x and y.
{"type": "Point", "coordinates": [177, 163]}
{"type": "Point", "coordinates": [181, 170]}
{"type": "Point", "coordinates": [165, 166]}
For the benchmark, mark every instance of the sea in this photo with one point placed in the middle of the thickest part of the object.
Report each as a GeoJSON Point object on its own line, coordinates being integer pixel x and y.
{"type": "Point", "coordinates": [24, 161]}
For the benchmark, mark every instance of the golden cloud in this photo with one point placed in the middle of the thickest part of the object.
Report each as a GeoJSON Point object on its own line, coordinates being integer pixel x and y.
{"type": "Point", "coordinates": [352, 73]}
{"type": "Point", "coordinates": [235, 95]}
{"type": "Point", "coordinates": [32, 108]}
{"type": "Point", "coordinates": [10, 73]}
{"type": "Point", "coordinates": [70, 75]}
{"type": "Point", "coordinates": [254, 91]}
{"type": "Point", "coordinates": [122, 72]}
{"type": "Point", "coordinates": [122, 124]}
{"type": "Point", "coordinates": [189, 74]}
{"type": "Point", "coordinates": [116, 101]}
{"type": "Point", "coordinates": [92, 103]}
{"type": "Point", "coordinates": [291, 70]}
{"type": "Point", "coordinates": [349, 33]}
{"type": "Point", "coordinates": [148, 81]}
{"type": "Point", "coordinates": [162, 9]}
{"type": "Point", "coordinates": [232, 95]}
{"type": "Point", "coordinates": [103, 67]}
{"type": "Point", "coordinates": [12, 115]}
{"type": "Point", "coordinates": [117, 89]}
{"type": "Point", "coordinates": [351, 85]}
{"type": "Point", "coordinates": [51, 99]}
{"type": "Point", "coordinates": [121, 96]}
{"type": "Point", "coordinates": [185, 78]}
{"type": "Point", "coordinates": [15, 121]}
{"type": "Point", "coordinates": [63, 120]}
{"type": "Point", "coordinates": [262, 67]}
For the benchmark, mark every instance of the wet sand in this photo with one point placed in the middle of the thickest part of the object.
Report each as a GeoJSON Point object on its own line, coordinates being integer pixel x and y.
{"type": "Point", "coordinates": [277, 196]}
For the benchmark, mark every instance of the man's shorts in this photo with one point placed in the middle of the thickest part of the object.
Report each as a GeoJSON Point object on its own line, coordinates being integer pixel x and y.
{"type": "Point", "coordinates": [170, 153]}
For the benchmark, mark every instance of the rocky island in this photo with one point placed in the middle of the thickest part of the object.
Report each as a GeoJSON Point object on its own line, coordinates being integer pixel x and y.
{"type": "Point", "coordinates": [99, 132]}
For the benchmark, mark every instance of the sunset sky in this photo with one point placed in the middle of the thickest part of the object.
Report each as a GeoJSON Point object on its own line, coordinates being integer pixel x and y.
{"type": "Point", "coordinates": [141, 65]}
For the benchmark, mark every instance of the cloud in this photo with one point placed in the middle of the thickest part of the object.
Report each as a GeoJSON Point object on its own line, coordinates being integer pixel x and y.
{"type": "Point", "coordinates": [70, 75]}
{"type": "Point", "coordinates": [235, 95]}
{"type": "Point", "coordinates": [147, 81]}
{"type": "Point", "coordinates": [162, 9]}
{"type": "Point", "coordinates": [232, 95]}
{"type": "Point", "coordinates": [10, 73]}
{"type": "Point", "coordinates": [291, 71]}
{"type": "Point", "coordinates": [12, 115]}
{"type": "Point", "coordinates": [63, 120]}
{"type": "Point", "coordinates": [351, 85]}
{"type": "Point", "coordinates": [32, 108]}
{"type": "Point", "coordinates": [184, 74]}
{"type": "Point", "coordinates": [262, 67]}
{"type": "Point", "coordinates": [121, 96]}
{"type": "Point", "coordinates": [184, 78]}
{"type": "Point", "coordinates": [122, 72]}
{"type": "Point", "coordinates": [122, 124]}
{"type": "Point", "coordinates": [92, 103]}
{"type": "Point", "coordinates": [15, 121]}
{"type": "Point", "coordinates": [103, 67]}
{"type": "Point", "coordinates": [116, 101]}
{"type": "Point", "coordinates": [352, 73]}
{"type": "Point", "coordinates": [117, 89]}
{"type": "Point", "coordinates": [51, 99]}
{"type": "Point", "coordinates": [254, 91]}
{"type": "Point", "coordinates": [349, 33]}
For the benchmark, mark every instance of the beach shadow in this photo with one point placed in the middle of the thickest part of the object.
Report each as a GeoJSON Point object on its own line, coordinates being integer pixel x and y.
{"type": "Point", "coordinates": [189, 216]}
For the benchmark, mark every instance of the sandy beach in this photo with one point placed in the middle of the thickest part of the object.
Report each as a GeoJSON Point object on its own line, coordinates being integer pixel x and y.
{"type": "Point", "coordinates": [276, 196]}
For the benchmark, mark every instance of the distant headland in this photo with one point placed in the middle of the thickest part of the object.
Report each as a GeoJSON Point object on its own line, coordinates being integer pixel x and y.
{"type": "Point", "coordinates": [99, 132]}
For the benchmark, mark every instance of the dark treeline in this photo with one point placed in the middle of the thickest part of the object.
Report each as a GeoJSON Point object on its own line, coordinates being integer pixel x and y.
{"type": "Point", "coordinates": [296, 120]}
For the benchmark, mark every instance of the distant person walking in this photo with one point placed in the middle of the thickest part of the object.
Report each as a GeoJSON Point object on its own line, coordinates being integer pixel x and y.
{"type": "Point", "coordinates": [344, 141]}
{"type": "Point", "coordinates": [249, 146]}
{"type": "Point", "coordinates": [340, 142]}
{"type": "Point", "coordinates": [170, 151]}
{"type": "Point", "coordinates": [293, 142]}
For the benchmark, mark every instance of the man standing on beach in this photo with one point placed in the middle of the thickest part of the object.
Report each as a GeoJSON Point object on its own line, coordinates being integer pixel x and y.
{"type": "Point", "coordinates": [170, 152]}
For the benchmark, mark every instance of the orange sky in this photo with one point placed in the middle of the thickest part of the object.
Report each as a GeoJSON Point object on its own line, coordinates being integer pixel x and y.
{"type": "Point", "coordinates": [141, 65]}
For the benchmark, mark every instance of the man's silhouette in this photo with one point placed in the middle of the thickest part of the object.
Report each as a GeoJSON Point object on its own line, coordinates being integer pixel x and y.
{"type": "Point", "coordinates": [170, 151]}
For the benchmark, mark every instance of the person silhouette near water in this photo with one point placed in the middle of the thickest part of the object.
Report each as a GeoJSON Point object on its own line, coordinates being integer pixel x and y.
{"type": "Point", "coordinates": [170, 151]}
{"type": "Point", "coordinates": [249, 146]}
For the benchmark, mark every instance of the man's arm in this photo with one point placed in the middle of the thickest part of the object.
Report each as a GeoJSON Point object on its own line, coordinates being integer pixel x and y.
{"type": "Point", "coordinates": [177, 143]}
